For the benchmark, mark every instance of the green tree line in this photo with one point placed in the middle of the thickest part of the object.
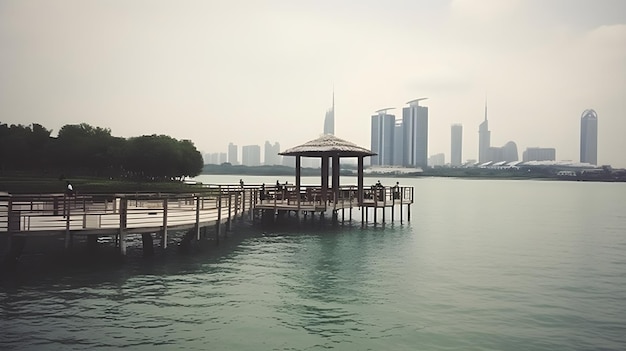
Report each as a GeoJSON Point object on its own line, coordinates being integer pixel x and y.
{"type": "Point", "coordinates": [84, 150]}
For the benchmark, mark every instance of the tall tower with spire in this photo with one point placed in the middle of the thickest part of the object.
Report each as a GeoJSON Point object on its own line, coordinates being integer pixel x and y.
{"type": "Point", "coordinates": [329, 120]}
{"type": "Point", "coordinates": [484, 139]}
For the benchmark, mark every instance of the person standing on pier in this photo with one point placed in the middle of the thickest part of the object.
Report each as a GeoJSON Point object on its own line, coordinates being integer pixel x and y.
{"type": "Point", "coordinates": [396, 191]}
{"type": "Point", "coordinates": [69, 191]}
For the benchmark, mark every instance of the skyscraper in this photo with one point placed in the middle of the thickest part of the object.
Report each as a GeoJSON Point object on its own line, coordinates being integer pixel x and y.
{"type": "Point", "coordinates": [415, 125]}
{"type": "Point", "coordinates": [383, 127]}
{"type": "Point", "coordinates": [589, 137]}
{"type": "Point", "coordinates": [271, 154]}
{"type": "Point", "coordinates": [456, 144]}
{"type": "Point", "coordinates": [484, 139]}
{"type": "Point", "coordinates": [232, 154]}
{"type": "Point", "coordinates": [329, 120]}
{"type": "Point", "coordinates": [251, 155]}
{"type": "Point", "coordinates": [398, 144]}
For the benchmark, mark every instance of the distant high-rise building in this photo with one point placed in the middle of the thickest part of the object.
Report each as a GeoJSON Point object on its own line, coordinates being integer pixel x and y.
{"type": "Point", "coordinates": [539, 154]}
{"type": "Point", "coordinates": [251, 155]}
{"type": "Point", "coordinates": [271, 154]}
{"type": "Point", "coordinates": [507, 153]}
{"type": "Point", "coordinates": [589, 137]}
{"type": "Point", "coordinates": [329, 120]}
{"type": "Point", "coordinates": [456, 144]}
{"type": "Point", "coordinates": [383, 127]}
{"type": "Point", "coordinates": [484, 140]}
{"type": "Point", "coordinates": [415, 127]}
{"type": "Point", "coordinates": [223, 158]}
{"type": "Point", "coordinates": [398, 144]}
{"type": "Point", "coordinates": [214, 158]}
{"type": "Point", "coordinates": [290, 161]}
{"type": "Point", "coordinates": [232, 154]}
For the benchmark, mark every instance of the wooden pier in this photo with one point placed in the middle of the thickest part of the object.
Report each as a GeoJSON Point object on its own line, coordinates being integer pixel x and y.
{"type": "Point", "coordinates": [208, 214]}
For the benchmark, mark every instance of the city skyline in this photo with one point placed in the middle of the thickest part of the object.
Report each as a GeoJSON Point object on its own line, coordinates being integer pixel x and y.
{"type": "Point", "coordinates": [246, 72]}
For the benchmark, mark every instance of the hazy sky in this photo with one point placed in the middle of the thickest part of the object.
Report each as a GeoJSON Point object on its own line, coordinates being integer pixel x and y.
{"type": "Point", "coordinates": [250, 71]}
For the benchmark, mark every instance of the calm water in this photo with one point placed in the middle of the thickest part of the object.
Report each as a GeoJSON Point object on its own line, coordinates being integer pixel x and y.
{"type": "Point", "coordinates": [483, 265]}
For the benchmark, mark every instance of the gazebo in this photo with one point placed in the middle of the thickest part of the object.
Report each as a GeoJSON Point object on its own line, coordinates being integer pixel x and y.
{"type": "Point", "coordinates": [330, 149]}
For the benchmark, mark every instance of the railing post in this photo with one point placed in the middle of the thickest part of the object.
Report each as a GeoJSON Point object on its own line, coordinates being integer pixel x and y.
{"type": "Point", "coordinates": [243, 202]}
{"type": "Point", "coordinates": [197, 227]}
{"type": "Point", "coordinates": [219, 214]}
{"type": "Point", "coordinates": [68, 235]}
{"type": "Point", "coordinates": [164, 230]}
{"type": "Point", "coordinates": [11, 225]}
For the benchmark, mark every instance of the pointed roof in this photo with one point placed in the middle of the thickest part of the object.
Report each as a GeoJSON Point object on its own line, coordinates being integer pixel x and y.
{"type": "Point", "coordinates": [327, 144]}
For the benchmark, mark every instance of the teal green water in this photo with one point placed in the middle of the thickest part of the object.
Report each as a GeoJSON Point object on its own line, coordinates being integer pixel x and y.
{"type": "Point", "coordinates": [483, 265]}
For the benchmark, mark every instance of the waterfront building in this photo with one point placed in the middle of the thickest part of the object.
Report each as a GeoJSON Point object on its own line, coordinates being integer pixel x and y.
{"type": "Point", "coordinates": [223, 158]}
{"type": "Point", "coordinates": [456, 145]}
{"type": "Point", "coordinates": [484, 140]}
{"type": "Point", "coordinates": [251, 155]}
{"type": "Point", "coordinates": [415, 128]}
{"type": "Point", "coordinates": [589, 137]}
{"type": "Point", "coordinates": [232, 154]}
{"type": "Point", "coordinates": [329, 120]}
{"type": "Point", "coordinates": [437, 160]}
{"type": "Point", "coordinates": [539, 154]}
{"type": "Point", "coordinates": [506, 153]}
{"type": "Point", "coordinates": [383, 127]}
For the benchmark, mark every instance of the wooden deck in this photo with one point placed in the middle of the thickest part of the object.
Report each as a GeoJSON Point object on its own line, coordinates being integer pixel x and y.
{"type": "Point", "coordinates": [118, 215]}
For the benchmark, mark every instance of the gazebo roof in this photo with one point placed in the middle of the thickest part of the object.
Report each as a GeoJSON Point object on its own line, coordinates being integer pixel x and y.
{"type": "Point", "coordinates": [327, 144]}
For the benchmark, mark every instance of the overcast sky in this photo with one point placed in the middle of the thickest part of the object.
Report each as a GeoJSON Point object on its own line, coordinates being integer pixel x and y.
{"type": "Point", "coordinates": [249, 71]}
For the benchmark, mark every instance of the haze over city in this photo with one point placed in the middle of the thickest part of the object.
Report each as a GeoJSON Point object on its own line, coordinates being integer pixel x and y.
{"type": "Point", "coordinates": [247, 71]}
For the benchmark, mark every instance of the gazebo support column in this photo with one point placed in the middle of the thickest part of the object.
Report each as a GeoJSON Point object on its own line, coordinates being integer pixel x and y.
{"type": "Point", "coordinates": [298, 184]}
{"type": "Point", "coordinates": [360, 180]}
{"type": "Point", "coordinates": [324, 178]}
{"type": "Point", "coordinates": [335, 180]}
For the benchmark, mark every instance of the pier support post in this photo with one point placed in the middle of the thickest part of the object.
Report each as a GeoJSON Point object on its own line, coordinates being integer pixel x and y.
{"type": "Point", "coordinates": [230, 203]}
{"type": "Point", "coordinates": [164, 230]}
{"type": "Point", "coordinates": [68, 234]}
{"type": "Point", "coordinates": [123, 222]}
{"type": "Point", "coordinates": [408, 212]}
{"type": "Point", "coordinates": [219, 215]}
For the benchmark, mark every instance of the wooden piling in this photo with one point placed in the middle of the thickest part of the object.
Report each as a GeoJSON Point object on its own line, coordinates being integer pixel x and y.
{"type": "Point", "coordinates": [219, 215]}
{"type": "Point", "coordinates": [164, 230]}
{"type": "Point", "coordinates": [123, 222]}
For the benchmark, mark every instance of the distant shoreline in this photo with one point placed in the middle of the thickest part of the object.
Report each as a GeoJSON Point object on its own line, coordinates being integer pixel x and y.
{"type": "Point", "coordinates": [541, 173]}
{"type": "Point", "coordinates": [37, 184]}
